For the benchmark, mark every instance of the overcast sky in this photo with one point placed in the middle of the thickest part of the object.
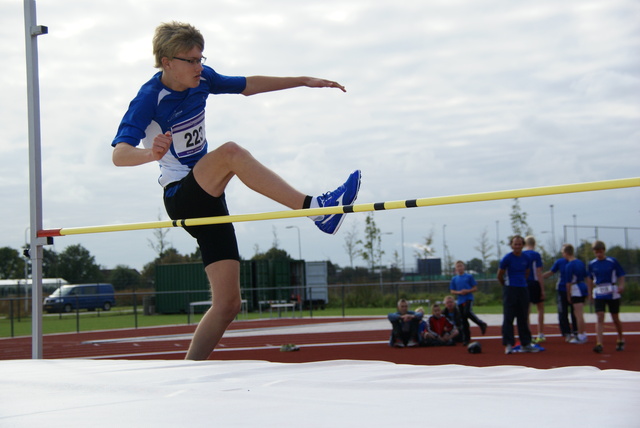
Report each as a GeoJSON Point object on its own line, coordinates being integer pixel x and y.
{"type": "Point", "coordinates": [444, 98]}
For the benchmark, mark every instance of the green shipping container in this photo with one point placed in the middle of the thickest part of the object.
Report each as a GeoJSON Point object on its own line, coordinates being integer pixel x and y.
{"type": "Point", "coordinates": [179, 284]}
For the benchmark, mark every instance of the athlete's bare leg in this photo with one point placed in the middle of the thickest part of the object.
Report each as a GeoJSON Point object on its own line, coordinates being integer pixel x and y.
{"type": "Point", "coordinates": [214, 171]}
{"type": "Point", "coordinates": [599, 327]}
{"type": "Point", "coordinates": [224, 277]}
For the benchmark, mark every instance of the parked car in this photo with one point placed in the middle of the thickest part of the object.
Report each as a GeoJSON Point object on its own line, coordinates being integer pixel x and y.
{"type": "Point", "coordinates": [81, 296]}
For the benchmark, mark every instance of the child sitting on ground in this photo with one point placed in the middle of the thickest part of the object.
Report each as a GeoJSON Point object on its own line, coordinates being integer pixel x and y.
{"type": "Point", "coordinates": [439, 330]}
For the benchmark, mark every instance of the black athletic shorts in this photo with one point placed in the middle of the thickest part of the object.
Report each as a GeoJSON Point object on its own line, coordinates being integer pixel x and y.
{"type": "Point", "coordinates": [535, 291]}
{"type": "Point", "coordinates": [577, 299]}
{"type": "Point", "coordinates": [186, 199]}
{"type": "Point", "coordinates": [600, 305]}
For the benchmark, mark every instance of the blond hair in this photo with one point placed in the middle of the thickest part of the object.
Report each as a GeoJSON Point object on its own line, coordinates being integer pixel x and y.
{"type": "Point", "coordinates": [173, 38]}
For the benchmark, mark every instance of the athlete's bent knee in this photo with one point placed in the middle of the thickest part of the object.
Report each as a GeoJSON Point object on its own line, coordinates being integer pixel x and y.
{"type": "Point", "coordinates": [233, 149]}
{"type": "Point", "coordinates": [228, 310]}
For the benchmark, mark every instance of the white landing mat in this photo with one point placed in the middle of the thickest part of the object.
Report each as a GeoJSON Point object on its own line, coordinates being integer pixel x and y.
{"type": "Point", "coordinates": [343, 393]}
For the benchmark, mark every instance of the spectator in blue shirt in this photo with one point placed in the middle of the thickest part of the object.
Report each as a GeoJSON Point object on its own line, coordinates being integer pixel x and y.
{"type": "Point", "coordinates": [606, 282]}
{"type": "Point", "coordinates": [463, 285]}
{"type": "Point", "coordinates": [577, 292]}
{"type": "Point", "coordinates": [512, 274]}
{"type": "Point", "coordinates": [535, 282]}
{"type": "Point", "coordinates": [568, 330]}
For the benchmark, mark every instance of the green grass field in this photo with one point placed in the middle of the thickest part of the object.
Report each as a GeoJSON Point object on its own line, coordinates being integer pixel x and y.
{"type": "Point", "coordinates": [124, 317]}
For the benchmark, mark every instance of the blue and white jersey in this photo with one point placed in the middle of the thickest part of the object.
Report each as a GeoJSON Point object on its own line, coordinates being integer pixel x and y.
{"type": "Point", "coordinates": [559, 267]}
{"type": "Point", "coordinates": [576, 272]}
{"type": "Point", "coordinates": [605, 274]}
{"type": "Point", "coordinates": [157, 109]}
{"type": "Point", "coordinates": [465, 281]}
{"type": "Point", "coordinates": [536, 262]}
{"type": "Point", "coordinates": [516, 269]}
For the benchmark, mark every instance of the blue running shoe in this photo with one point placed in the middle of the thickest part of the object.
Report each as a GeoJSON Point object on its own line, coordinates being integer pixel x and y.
{"type": "Point", "coordinates": [343, 195]}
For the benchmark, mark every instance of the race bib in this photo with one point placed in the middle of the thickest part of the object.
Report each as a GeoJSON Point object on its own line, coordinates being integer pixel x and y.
{"type": "Point", "coordinates": [189, 136]}
{"type": "Point", "coordinates": [601, 290]}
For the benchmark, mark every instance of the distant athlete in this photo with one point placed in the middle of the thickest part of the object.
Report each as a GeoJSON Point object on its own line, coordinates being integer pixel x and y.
{"type": "Point", "coordinates": [464, 285]}
{"type": "Point", "coordinates": [577, 291]}
{"type": "Point", "coordinates": [568, 329]}
{"type": "Point", "coordinates": [535, 282]}
{"type": "Point", "coordinates": [512, 275]}
{"type": "Point", "coordinates": [606, 283]}
{"type": "Point", "coordinates": [168, 118]}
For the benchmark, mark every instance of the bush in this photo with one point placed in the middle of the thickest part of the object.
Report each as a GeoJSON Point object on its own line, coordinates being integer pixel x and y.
{"type": "Point", "coordinates": [631, 294]}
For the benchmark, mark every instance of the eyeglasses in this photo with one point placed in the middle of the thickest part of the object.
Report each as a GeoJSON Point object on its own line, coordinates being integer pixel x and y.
{"type": "Point", "coordinates": [198, 61]}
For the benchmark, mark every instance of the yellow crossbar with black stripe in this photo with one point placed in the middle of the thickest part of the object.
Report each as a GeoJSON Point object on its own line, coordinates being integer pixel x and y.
{"type": "Point", "coordinates": [378, 206]}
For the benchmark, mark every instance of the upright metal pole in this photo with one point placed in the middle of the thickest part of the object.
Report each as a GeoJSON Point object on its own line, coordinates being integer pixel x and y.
{"type": "Point", "coordinates": [553, 232]}
{"type": "Point", "coordinates": [32, 31]}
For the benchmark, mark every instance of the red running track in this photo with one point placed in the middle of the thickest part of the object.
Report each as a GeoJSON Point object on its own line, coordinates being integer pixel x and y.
{"type": "Point", "coordinates": [172, 343]}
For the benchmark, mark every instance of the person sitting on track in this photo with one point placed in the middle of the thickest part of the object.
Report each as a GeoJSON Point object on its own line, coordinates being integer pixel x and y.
{"type": "Point", "coordinates": [405, 325]}
{"type": "Point", "coordinates": [440, 331]}
{"type": "Point", "coordinates": [454, 316]}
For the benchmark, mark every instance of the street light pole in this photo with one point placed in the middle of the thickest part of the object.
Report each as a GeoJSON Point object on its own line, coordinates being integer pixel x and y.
{"type": "Point", "coordinates": [444, 249]}
{"type": "Point", "coordinates": [498, 238]}
{"type": "Point", "coordinates": [380, 255]}
{"type": "Point", "coordinates": [553, 231]}
{"type": "Point", "coordinates": [402, 232]}
{"type": "Point", "coordinates": [299, 242]}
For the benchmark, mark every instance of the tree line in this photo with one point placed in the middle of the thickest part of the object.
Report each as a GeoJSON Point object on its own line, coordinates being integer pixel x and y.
{"type": "Point", "coordinates": [76, 265]}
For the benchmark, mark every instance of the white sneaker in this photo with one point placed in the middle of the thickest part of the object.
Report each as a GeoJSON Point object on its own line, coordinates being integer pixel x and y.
{"type": "Point", "coordinates": [508, 350]}
{"type": "Point", "coordinates": [579, 340]}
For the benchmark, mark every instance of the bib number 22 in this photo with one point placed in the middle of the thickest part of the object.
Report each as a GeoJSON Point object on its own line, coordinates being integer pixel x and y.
{"type": "Point", "coordinates": [189, 137]}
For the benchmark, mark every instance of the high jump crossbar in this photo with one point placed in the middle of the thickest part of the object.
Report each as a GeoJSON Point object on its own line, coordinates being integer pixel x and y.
{"type": "Point", "coordinates": [343, 209]}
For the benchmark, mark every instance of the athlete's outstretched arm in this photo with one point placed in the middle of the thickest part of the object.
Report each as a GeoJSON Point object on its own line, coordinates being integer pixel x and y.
{"type": "Point", "coordinates": [260, 84]}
